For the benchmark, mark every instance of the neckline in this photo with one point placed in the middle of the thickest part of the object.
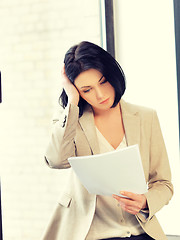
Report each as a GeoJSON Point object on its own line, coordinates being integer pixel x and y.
{"type": "Point", "coordinates": [107, 143]}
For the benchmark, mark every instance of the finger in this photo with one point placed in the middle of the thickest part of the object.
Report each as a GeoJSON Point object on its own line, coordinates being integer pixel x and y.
{"type": "Point", "coordinates": [116, 197]}
{"type": "Point", "coordinates": [131, 211]}
{"type": "Point", "coordinates": [131, 203]}
{"type": "Point", "coordinates": [128, 205]}
{"type": "Point", "coordinates": [127, 201]}
{"type": "Point", "coordinates": [130, 195]}
{"type": "Point", "coordinates": [139, 199]}
{"type": "Point", "coordinates": [124, 199]}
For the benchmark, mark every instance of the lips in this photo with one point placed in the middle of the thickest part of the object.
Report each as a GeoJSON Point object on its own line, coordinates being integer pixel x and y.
{"type": "Point", "coordinates": [105, 101]}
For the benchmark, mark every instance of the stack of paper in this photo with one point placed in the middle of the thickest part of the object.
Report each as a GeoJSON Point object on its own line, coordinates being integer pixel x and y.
{"type": "Point", "coordinates": [111, 172]}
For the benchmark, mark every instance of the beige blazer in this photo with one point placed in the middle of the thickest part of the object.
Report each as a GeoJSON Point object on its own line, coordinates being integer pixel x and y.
{"type": "Point", "coordinates": [74, 136]}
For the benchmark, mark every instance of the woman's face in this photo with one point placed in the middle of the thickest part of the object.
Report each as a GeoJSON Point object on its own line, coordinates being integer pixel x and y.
{"type": "Point", "coordinates": [95, 89]}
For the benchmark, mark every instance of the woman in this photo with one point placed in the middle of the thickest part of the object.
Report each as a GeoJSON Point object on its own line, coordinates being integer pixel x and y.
{"type": "Point", "coordinates": [95, 120]}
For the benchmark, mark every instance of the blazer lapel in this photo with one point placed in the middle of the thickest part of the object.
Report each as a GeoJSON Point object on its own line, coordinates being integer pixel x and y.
{"type": "Point", "coordinates": [88, 126]}
{"type": "Point", "coordinates": [131, 121]}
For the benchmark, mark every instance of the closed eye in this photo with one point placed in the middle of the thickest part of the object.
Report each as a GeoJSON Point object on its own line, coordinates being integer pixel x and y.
{"type": "Point", "coordinates": [104, 81]}
{"type": "Point", "coordinates": [86, 91]}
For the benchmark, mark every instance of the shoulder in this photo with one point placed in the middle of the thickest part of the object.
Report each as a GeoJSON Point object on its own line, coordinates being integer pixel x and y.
{"type": "Point", "coordinates": [134, 108]}
{"type": "Point", "coordinates": [143, 112]}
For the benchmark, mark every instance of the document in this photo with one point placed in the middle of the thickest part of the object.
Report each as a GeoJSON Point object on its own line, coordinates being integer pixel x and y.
{"type": "Point", "coordinates": [111, 172]}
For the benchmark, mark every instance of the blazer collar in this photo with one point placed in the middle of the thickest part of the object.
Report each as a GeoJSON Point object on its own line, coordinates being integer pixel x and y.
{"type": "Point", "coordinates": [131, 123]}
{"type": "Point", "coordinates": [87, 123]}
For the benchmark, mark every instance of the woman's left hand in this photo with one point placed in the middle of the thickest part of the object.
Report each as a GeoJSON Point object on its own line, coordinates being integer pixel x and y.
{"type": "Point", "coordinates": [132, 203]}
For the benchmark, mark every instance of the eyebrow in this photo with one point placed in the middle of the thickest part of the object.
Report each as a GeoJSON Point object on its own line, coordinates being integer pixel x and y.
{"type": "Point", "coordinates": [90, 86]}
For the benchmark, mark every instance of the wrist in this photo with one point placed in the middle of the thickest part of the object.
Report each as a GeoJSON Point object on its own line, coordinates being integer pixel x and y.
{"type": "Point", "coordinates": [74, 101]}
{"type": "Point", "coordinates": [145, 203]}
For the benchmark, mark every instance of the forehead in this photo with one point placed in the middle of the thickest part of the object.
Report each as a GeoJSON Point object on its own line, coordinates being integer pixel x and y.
{"type": "Point", "coordinates": [88, 78]}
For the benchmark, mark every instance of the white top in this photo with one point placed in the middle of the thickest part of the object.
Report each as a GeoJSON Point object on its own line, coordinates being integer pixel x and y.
{"type": "Point", "coordinates": [109, 218]}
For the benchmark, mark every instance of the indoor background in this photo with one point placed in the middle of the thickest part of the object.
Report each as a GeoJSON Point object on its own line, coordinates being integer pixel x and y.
{"type": "Point", "coordinates": [34, 36]}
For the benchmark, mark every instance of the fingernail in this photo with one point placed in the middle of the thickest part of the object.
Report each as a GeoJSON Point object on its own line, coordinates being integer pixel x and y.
{"type": "Point", "coordinates": [122, 192]}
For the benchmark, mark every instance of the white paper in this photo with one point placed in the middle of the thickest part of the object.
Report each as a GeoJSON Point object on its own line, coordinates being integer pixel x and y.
{"type": "Point", "coordinates": [111, 172]}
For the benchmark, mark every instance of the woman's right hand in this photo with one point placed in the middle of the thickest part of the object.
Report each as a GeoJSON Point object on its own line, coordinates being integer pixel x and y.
{"type": "Point", "coordinates": [70, 89]}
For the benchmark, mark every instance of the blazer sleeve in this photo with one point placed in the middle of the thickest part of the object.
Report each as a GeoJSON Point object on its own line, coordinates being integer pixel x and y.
{"type": "Point", "coordinates": [62, 144]}
{"type": "Point", "coordinates": [160, 188]}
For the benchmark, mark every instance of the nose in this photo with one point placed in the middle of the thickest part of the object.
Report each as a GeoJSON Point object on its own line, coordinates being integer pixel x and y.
{"type": "Point", "coordinates": [99, 93]}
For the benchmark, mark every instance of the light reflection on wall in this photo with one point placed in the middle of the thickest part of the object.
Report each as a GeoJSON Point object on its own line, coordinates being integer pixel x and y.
{"type": "Point", "coordinates": [145, 48]}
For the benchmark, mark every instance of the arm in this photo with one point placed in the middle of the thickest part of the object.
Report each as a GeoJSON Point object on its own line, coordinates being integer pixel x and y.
{"type": "Point", "coordinates": [62, 144]}
{"type": "Point", "coordinates": [160, 188]}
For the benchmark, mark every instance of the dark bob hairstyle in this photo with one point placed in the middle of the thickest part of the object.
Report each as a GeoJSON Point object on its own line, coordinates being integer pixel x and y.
{"type": "Point", "coordinates": [86, 55]}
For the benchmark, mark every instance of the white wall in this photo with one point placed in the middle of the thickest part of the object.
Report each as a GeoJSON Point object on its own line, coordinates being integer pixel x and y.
{"type": "Point", "coordinates": [145, 48]}
{"type": "Point", "coordinates": [34, 36]}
